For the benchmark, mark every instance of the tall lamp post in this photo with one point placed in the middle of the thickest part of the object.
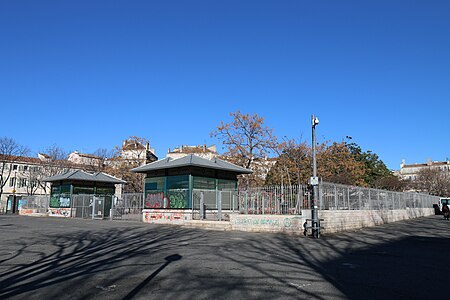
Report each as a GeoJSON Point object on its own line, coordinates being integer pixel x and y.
{"type": "Point", "coordinates": [315, 183]}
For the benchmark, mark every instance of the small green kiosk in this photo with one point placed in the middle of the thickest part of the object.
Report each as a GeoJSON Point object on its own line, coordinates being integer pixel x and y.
{"type": "Point", "coordinates": [81, 194]}
{"type": "Point", "coordinates": [185, 184]}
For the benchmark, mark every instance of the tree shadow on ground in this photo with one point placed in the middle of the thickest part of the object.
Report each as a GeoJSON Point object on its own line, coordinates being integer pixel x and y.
{"type": "Point", "coordinates": [76, 258]}
{"type": "Point", "coordinates": [398, 260]}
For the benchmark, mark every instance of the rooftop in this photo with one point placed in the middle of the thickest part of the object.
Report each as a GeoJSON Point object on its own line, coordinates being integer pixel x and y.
{"type": "Point", "coordinates": [84, 176]}
{"type": "Point", "coordinates": [192, 160]}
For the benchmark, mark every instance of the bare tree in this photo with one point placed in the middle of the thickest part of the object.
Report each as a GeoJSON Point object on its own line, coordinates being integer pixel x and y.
{"type": "Point", "coordinates": [33, 176]}
{"type": "Point", "coordinates": [133, 153]}
{"type": "Point", "coordinates": [248, 143]}
{"type": "Point", "coordinates": [53, 162]}
{"type": "Point", "coordinates": [432, 181]}
{"type": "Point", "coordinates": [97, 161]}
{"type": "Point", "coordinates": [9, 151]}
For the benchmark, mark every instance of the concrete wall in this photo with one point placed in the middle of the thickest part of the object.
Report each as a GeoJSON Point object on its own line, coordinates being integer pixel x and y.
{"type": "Point", "coordinates": [267, 223]}
{"type": "Point", "coordinates": [31, 212]}
{"type": "Point", "coordinates": [166, 216]}
{"type": "Point", "coordinates": [333, 220]}
{"type": "Point", "coordinates": [340, 220]}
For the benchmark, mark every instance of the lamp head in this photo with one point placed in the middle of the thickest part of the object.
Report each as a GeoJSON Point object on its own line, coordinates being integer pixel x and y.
{"type": "Point", "coordinates": [315, 121]}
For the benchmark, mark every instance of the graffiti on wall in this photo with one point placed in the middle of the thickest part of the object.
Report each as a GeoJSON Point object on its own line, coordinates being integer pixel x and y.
{"type": "Point", "coordinates": [267, 221]}
{"type": "Point", "coordinates": [154, 200]}
{"type": "Point", "coordinates": [59, 212]}
{"type": "Point", "coordinates": [163, 217]}
{"type": "Point", "coordinates": [173, 199]}
{"type": "Point", "coordinates": [178, 199]}
{"type": "Point", "coordinates": [24, 211]}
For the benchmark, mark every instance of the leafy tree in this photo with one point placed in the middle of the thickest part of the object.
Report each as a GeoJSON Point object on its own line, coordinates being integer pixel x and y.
{"type": "Point", "coordinates": [293, 165]}
{"type": "Point", "coordinates": [248, 143]}
{"type": "Point", "coordinates": [335, 163]}
{"type": "Point", "coordinates": [374, 167]}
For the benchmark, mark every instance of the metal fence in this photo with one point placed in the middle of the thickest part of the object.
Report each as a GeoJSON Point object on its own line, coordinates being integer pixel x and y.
{"type": "Point", "coordinates": [292, 199]}
{"type": "Point", "coordinates": [217, 205]}
{"type": "Point", "coordinates": [274, 200]}
{"type": "Point", "coordinates": [36, 203]}
{"type": "Point", "coordinates": [128, 207]}
{"type": "Point", "coordinates": [91, 206]}
{"type": "Point", "coordinates": [337, 197]}
{"type": "Point", "coordinates": [214, 204]}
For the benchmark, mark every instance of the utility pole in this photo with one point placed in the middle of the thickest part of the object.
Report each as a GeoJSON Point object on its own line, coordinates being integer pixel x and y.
{"type": "Point", "coordinates": [315, 183]}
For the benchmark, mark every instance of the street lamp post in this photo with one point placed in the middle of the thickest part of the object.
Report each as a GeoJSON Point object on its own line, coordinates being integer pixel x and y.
{"type": "Point", "coordinates": [14, 200]}
{"type": "Point", "coordinates": [315, 183]}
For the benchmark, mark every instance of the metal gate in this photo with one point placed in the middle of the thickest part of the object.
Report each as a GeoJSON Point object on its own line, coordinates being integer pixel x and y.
{"type": "Point", "coordinates": [214, 204]}
{"type": "Point", "coordinates": [91, 207]}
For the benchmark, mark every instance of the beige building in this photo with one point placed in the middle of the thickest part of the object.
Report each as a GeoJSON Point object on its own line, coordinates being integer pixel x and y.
{"type": "Point", "coordinates": [84, 159]}
{"type": "Point", "coordinates": [200, 150]}
{"type": "Point", "coordinates": [411, 171]}
{"type": "Point", "coordinates": [133, 150]}
{"type": "Point", "coordinates": [20, 176]}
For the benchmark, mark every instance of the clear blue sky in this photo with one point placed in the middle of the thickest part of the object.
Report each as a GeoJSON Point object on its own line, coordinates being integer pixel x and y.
{"type": "Point", "coordinates": [87, 74]}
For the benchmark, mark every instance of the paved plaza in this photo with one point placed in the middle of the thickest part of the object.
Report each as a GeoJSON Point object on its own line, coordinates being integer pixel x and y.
{"type": "Point", "coordinates": [53, 258]}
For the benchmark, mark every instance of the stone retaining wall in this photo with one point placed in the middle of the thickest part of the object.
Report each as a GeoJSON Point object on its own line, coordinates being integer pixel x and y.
{"type": "Point", "coordinates": [340, 220]}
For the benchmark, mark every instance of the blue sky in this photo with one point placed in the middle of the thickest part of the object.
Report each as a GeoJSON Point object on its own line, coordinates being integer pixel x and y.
{"type": "Point", "coordinates": [87, 74]}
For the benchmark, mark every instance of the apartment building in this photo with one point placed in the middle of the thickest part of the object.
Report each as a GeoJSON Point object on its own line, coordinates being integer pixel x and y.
{"type": "Point", "coordinates": [20, 176]}
{"type": "Point", "coordinates": [411, 171]}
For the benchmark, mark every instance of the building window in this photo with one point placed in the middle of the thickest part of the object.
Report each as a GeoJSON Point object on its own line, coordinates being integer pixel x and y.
{"type": "Point", "coordinates": [12, 182]}
{"type": "Point", "coordinates": [14, 167]}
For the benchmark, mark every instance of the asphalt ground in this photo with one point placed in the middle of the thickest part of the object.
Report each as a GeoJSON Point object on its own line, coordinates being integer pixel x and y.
{"type": "Point", "coordinates": [52, 258]}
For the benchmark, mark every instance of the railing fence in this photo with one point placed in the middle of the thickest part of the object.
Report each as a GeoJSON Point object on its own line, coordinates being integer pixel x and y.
{"type": "Point", "coordinates": [214, 204]}
{"type": "Point", "coordinates": [128, 207]}
{"type": "Point", "coordinates": [292, 199]}
{"type": "Point", "coordinates": [274, 200]}
{"type": "Point", "coordinates": [217, 205]}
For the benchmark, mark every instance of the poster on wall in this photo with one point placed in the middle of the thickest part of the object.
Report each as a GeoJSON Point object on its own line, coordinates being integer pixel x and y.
{"type": "Point", "coordinates": [64, 202]}
{"type": "Point", "coordinates": [21, 203]}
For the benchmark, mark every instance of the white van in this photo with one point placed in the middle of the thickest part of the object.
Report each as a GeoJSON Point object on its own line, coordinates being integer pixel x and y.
{"type": "Point", "coordinates": [443, 201]}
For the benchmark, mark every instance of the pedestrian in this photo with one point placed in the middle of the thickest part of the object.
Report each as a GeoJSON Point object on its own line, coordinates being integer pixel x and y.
{"type": "Point", "coordinates": [305, 228]}
{"type": "Point", "coordinates": [446, 211]}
